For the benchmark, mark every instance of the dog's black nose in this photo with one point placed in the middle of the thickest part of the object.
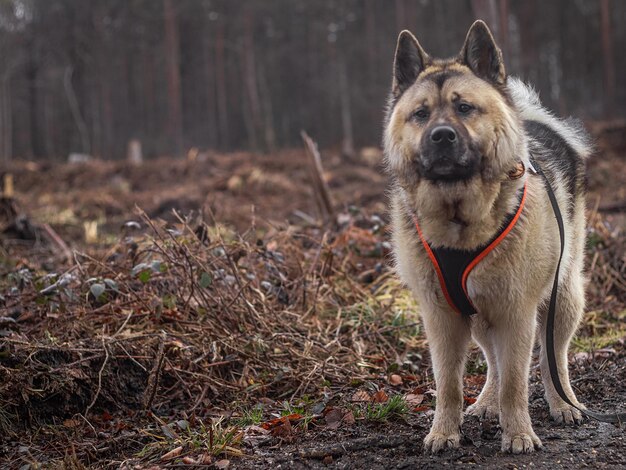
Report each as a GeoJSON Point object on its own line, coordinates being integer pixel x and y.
{"type": "Point", "coordinates": [443, 135]}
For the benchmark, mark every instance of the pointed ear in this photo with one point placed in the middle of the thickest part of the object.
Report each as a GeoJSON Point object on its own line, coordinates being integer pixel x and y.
{"type": "Point", "coordinates": [409, 62]}
{"type": "Point", "coordinates": [481, 54]}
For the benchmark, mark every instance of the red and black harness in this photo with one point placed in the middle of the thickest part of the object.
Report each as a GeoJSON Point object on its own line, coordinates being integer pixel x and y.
{"type": "Point", "coordinates": [453, 266]}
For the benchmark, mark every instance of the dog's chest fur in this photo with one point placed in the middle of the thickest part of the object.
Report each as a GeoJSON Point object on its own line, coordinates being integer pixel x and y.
{"type": "Point", "coordinates": [518, 268]}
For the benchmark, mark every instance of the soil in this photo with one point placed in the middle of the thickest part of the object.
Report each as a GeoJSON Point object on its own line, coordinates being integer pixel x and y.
{"type": "Point", "coordinates": [103, 382]}
{"type": "Point", "coordinates": [399, 444]}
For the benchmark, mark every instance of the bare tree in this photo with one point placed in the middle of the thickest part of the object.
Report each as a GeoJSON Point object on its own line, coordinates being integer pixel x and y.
{"type": "Point", "coordinates": [175, 125]}
{"type": "Point", "coordinates": [607, 54]}
{"type": "Point", "coordinates": [250, 74]}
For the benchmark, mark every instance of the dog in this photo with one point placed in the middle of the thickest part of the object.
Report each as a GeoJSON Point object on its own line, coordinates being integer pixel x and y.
{"type": "Point", "coordinates": [460, 140]}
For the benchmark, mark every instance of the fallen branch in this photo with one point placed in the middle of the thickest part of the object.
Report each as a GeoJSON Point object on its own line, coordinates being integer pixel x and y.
{"type": "Point", "coordinates": [320, 188]}
{"type": "Point", "coordinates": [58, 241]}
{"type": "Point", "coordinates": [104, 363]}
{"type": "Point", "coordinates": [155, 375]}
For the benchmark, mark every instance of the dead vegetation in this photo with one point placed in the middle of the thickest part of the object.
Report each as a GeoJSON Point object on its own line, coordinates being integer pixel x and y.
{"type": "Point", "coordinates": [192, 336]}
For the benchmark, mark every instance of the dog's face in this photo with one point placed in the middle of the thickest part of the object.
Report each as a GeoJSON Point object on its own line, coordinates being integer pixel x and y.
{"type": "Point", "coordinates": [450, 121]}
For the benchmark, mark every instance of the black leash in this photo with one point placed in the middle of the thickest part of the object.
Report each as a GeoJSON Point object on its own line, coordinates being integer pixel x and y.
{"type": "Point", "coordinates": [614, 418]}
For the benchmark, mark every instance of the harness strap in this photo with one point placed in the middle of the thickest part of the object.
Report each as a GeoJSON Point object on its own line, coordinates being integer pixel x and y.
{"type": "Point", "coordinates": [453, 266]}
{"type": "Point", "coordinates": [614, 418]}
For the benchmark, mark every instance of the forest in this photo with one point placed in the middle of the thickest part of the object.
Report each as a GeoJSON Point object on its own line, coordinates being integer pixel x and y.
{"type": "Point", "coordinates": [196, 252]}
{"type": "Point", "coordinates": [89, 76]}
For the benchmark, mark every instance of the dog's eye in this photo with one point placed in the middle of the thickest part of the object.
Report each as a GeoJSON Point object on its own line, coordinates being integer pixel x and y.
{"type": "Point", "coordinates": [421, 114]}
{"type": "Point", "coordinates": [465, 108]}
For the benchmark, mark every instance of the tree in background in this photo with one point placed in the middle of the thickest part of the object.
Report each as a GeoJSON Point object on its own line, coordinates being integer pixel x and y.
{"type": "Point", "coordinates": [79, 76]}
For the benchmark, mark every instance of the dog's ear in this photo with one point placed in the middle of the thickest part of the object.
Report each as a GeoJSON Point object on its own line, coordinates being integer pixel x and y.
{"type": "Point", "coordinates": [481, 54]}
{"type": "Point", "coordinates": [409, 61]}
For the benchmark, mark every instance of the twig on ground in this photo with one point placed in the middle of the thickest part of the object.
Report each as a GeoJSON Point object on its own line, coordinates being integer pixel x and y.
{"type": "Point", "coordinates": [99, 389]}
{"type": "Point", "coordinates": [155, 374]}
{"type": "Point", "coordinates": [320, 188]}
{"type": "Point", "coordinates": [58, 241]}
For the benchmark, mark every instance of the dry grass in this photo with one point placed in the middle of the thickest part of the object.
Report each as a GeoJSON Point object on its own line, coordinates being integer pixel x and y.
{"type": "Point", "coordinates": [187, 336]}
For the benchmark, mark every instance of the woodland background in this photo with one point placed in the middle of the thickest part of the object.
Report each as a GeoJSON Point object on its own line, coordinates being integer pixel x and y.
{"type": "Point", "coordinates": [88, 76]}
{"type": "Point", "coordinates": [228, 301]}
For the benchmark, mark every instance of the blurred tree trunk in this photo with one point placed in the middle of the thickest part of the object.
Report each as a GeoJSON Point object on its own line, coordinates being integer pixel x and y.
{"type": "Point", "coordinates": [401, 20]}
{"type": "Point", "coordinates": [527, 40]}
{"type": "Point", "coordinates": [211, 108]}
{"type": "Point", "coordinates": [6, 128]}
{"type": "Point", "coordinates": [83, 132]}
{"type": "Point", "coordinates": [48, 122]}
{"type": "Point", "coordinates": [268, 117]}
{"type": "Point", "coordinates": [487, 10]}
{"type": "Point", "coordinates": [250, 79]}
{"type": "Point", "coordinates": [347, 143]}
{"type": "Point", "coordinates": [504, 27]}
{"type": "Point", "coordinates": [34, 130]}
{"type": "Point", "coordinates": [607, 55]}
{"type": "Point", "coordinates": [151, 116]}
{"type": "Point", "coordinates": [175, 119]}
{"type": "Point", "coordinates": [234, 75]}
{"type": "Point", "coordinates": [370, 37]}
{"type": "Point", "coordinates": [220, 75]}
{"type": "Point", "coordinates": [107, 114]}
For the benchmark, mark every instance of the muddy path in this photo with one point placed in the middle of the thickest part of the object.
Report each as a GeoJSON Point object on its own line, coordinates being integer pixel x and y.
{"type": "Point", "coordinates": [398, 444]}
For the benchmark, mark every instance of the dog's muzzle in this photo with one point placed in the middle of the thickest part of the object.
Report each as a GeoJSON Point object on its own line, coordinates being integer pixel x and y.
{"type": "Point", "coordinates": [445, 155]}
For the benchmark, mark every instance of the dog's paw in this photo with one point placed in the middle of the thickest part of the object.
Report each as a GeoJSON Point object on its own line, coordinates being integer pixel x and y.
{"type": "Point", "coordinates": [566, 414]}
{"type": "Point", "coordinates": [521, 443]}
{"type": "Point", "coordinates": [483, 410]}
{"type": "Point", "coordinates": [436, 442]}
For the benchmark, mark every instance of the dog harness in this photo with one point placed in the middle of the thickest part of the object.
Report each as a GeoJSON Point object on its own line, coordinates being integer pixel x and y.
{"type": "Point", "coordinates": [453, 266]}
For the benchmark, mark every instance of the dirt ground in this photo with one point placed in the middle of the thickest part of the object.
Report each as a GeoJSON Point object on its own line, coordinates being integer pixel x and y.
{"type": "Point", "coordinates": [241, 332]}
{"type": "Point", "coordinates": [399, 444]}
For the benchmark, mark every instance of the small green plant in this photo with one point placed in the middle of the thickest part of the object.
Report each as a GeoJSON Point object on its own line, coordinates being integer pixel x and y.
{"type": "Point", "coordinates": [476, 366]}
{"type": "Point", "coordinates": [357, 411]}
{"type": "Point", "coordinates": [302, 408]}
{"type": "Point", "coordinates": [290, 409]}
{"type": "Point", "coordinates": [396, 406]}
{"type": "Point", "coordinates": [215, 438]}
{"type": "Point", "coordinates": [250, 416]}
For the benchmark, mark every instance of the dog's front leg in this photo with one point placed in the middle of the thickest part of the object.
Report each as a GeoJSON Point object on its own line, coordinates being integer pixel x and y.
{"type": "Point", "coordinates": [514, 339]}
{"type": "Point", "coordinates": [448, 338]}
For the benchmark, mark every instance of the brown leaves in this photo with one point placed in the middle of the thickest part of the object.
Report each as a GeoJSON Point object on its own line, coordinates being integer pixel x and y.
{"type": "Point", "coordinates": [413, 399]}
{"type": "Point", "coordinates": [284, 431]}
{"type": "Point", "coordinates": [469, 400]}
{"type": "Point", "coordinates": [380, 397]}
{"type": "Point", "coordinates": [269, 425]}
{"type": "Point", "coordinates": [336, 416]}
{"type": "Point", "coordinates": [333, 418]}
{"type": "Point", "coordinates": [281, 427]}
{"type": "Point", "coordinates": [361, 396]}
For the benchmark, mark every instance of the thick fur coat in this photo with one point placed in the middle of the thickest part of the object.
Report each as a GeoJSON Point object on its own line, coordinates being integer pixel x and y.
{"type": "Point", "coordinates": [461, 194]}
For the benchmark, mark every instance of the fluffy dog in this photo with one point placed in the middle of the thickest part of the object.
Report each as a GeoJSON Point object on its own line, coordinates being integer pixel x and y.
{"type": "Point", "coordinates": [459, 140]}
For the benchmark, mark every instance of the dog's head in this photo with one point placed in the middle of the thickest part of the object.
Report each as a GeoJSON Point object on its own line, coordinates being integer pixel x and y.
{"type": "Point", "coordinates": [451, 121]}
